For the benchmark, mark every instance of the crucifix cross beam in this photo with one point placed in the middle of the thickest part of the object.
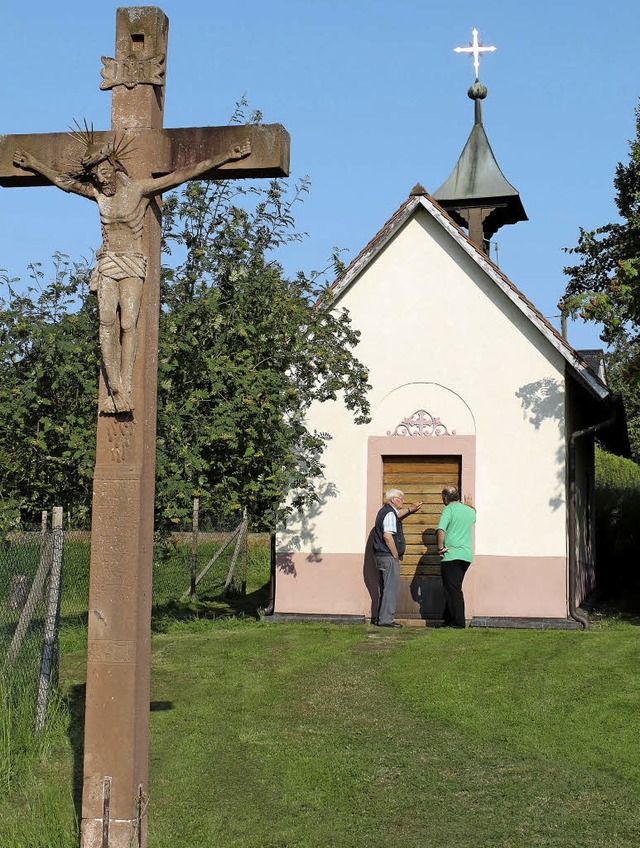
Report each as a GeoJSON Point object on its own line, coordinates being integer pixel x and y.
{"type": "Point", "coordinates": [124, 171]}
{"type": "Point", "coordinates": [165, 150]}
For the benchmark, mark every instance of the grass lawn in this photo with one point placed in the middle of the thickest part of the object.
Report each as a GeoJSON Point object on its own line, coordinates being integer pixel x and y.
{"type": "Point", "coordinates": [305, 736]}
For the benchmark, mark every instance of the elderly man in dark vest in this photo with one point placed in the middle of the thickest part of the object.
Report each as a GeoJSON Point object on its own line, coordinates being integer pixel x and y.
{"type": "Point", "coordinates": [388, 548]}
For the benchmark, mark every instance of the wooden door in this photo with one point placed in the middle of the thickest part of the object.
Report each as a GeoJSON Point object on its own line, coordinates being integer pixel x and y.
{"type": "Point", "coordinates": [421, 478]}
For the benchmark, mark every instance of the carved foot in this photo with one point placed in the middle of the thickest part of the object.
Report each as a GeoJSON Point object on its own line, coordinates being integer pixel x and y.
{"type": "Point", "coordinates": [116, 402]}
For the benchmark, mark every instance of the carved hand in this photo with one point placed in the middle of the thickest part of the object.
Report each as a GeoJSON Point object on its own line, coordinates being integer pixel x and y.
{"type": "Point", "coordinates": [240, 151]}
{"type": "Point", "coordinates": [24, 160]}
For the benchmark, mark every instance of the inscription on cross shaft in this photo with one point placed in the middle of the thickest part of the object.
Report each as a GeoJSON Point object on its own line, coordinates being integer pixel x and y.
{"type": "Point", "coordinates": [124, 171]}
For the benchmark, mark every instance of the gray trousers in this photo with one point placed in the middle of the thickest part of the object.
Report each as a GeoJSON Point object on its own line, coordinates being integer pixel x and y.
{"type": "Point", "coordinates": [389, 572]}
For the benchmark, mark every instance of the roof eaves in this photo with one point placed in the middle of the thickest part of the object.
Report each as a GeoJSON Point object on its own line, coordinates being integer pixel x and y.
{"type": "Point", "coordinates": [587, 376]}
{"type": "Point", "coordinates": [585, 373]}
{"type": "Point", "coordinates": [384, 234]}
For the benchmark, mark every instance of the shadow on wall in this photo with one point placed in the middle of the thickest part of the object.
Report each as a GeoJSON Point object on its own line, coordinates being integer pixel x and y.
{"type": "Point", "coordinates": [304, 538]}
{"type": "Point", "coordinates": [427, 593]}
{"type": "Point", "coordinates": [543, 400]}
{"type": "Point", "coordinates": [371, 576]}
{"type": "Point", "coordinates": [426, 590]}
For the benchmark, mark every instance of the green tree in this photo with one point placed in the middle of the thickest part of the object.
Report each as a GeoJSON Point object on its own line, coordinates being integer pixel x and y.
{"type": "Point", "coordinates": [617, 505]}
{"type": "Point", "coordinates": [244, 350]}
{"type": "Point", "coordinates": [604, 285]}
{"type": "Point", "coordinates": [48, 376]}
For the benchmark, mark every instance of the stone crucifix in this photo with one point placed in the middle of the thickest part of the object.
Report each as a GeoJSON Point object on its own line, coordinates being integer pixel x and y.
{"type": "Point", "coordinates": [121, 267]}
{"type": "Point", "coordinates": [125, 171]}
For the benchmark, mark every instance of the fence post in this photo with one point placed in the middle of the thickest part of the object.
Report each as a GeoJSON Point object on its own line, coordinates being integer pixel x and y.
{"type": "Point", "coordinates": [242, 530]}
{"type": "Point", "coordinates": [244, 551]}
{"type": "Point", "coordinates": [51, 619]}
{"type": "Point", "coordinates": [217, 555]}
{"type": "Point", "coordinates": [194, 546]}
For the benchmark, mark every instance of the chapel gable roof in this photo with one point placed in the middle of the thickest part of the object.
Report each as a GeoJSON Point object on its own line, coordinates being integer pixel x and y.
{"type": "Point", "coordinates": [594, 357]}
{"type": "Point", "coordinates": [419, 198]}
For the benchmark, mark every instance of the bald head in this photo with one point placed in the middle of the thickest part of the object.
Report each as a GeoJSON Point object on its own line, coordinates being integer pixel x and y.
{"type": "Point", "coordinates": [449, 494]}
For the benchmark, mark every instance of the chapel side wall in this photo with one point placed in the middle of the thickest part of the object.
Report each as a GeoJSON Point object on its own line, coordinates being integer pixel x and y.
{"type": "Point", "coordinates": [581, 414]}
{"type": "Point", "coordinates": [468, 356]}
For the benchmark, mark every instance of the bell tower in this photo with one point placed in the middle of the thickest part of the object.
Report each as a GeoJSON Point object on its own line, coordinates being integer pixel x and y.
{"type": "Point", "coordinates": [476, 194]}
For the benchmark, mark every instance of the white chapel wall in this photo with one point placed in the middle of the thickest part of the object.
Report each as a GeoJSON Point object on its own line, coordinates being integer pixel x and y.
{"type": "Point", "coordinates": [438, 335]}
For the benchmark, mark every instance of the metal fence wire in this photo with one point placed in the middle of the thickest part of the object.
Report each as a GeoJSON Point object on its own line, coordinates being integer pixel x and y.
{"type": "Point", "coordinates": [24, 569]}
{"type": "Point", "coordinates": [211, 560]}
{"type": "Point", "coordinates": [44, 584]}
{"type": "Point", "coordinates": [30, 585]}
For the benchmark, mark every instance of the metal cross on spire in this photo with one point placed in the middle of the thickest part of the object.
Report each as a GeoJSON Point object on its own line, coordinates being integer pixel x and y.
{"type": "Point", "coordinates": [476, 49]}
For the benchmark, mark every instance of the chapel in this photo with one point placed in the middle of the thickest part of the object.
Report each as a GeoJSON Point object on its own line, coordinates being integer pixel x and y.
{"type": "Point", "coordinates": [492, 398]}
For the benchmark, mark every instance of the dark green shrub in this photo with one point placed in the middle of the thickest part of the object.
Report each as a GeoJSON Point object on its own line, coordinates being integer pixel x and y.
{"type": "Point", "coordinates": [617, 499]}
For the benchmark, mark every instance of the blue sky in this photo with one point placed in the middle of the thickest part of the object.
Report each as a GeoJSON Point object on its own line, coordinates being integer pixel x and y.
{"type": "Point", "coordinates": [374, 99]}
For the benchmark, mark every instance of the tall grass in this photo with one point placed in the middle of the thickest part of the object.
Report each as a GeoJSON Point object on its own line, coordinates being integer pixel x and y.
{"type": "Point", "coordinates": [18, 746]}
{"type": "Point", "coordinates": [48, 821]}
{"type": "Point", "coordinates": [21, 749]}
{"type": "Point", "coordinates": [36, 808]}
{"type": "Point", "coordinates": [36, 772]}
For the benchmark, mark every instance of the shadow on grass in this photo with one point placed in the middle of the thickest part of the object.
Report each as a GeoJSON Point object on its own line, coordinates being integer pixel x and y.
{"type": "Point", "coordinates": [205, 606]}
{"type": "Point", "coordinates": [234, 605]}
{"type": "Point", "coordinates": [79, 619]}
{"type": "Point", "coordinates": [623, 606]}
{"type": "Point", "coordinates": [75, 734]}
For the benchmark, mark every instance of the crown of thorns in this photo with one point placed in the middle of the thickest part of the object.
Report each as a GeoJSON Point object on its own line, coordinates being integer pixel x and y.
{"type": "Point", "coordinates": [95, 152]}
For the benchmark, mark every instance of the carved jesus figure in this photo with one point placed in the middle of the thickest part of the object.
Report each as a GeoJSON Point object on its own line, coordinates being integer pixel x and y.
{"type": "Point", "coordinates": [121, 265]}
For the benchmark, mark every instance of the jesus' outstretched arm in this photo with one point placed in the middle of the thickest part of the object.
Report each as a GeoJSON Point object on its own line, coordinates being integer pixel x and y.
{"type": "Point", "coordinates": [156, 186]}
{"type": "Point", "coordinates": [25, 160]}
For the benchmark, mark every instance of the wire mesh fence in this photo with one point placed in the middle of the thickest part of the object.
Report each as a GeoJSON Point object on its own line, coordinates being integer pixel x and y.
{"type": "Point", "coordinates": [211, 568]}
{"type": "Point", "coordinates": [221, 565]}
{"type": "Point", "coordinates": [30, 586]}
{"type": "Point", "coordinates": [22, 607]}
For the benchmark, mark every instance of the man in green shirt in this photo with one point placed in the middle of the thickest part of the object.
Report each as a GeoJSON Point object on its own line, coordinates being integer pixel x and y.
{"type": "Point", "coordinates": [454, 538]}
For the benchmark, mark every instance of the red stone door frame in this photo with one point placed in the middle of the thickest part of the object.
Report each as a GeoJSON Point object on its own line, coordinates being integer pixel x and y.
{"type": "Point", "coordinates": [380, 446]}
{"type": "Point", "coordinates": [418, 445]}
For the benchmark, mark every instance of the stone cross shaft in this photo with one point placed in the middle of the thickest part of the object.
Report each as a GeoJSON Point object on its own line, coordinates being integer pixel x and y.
{"type": "Point", "coordinates": [125, 171]}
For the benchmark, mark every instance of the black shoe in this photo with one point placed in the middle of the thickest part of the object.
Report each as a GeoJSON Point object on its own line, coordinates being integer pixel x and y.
{"type": "Point", "coordinates": [393, 624]}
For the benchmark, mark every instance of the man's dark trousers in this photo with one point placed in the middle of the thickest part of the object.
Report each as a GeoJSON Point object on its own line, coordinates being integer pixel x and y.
{"type": "Point", "coordinates": [453, 572]}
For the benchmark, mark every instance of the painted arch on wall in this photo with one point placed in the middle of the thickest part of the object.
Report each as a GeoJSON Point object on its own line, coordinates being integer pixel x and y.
{"type": "Point", "coordinates": [423, 409]}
